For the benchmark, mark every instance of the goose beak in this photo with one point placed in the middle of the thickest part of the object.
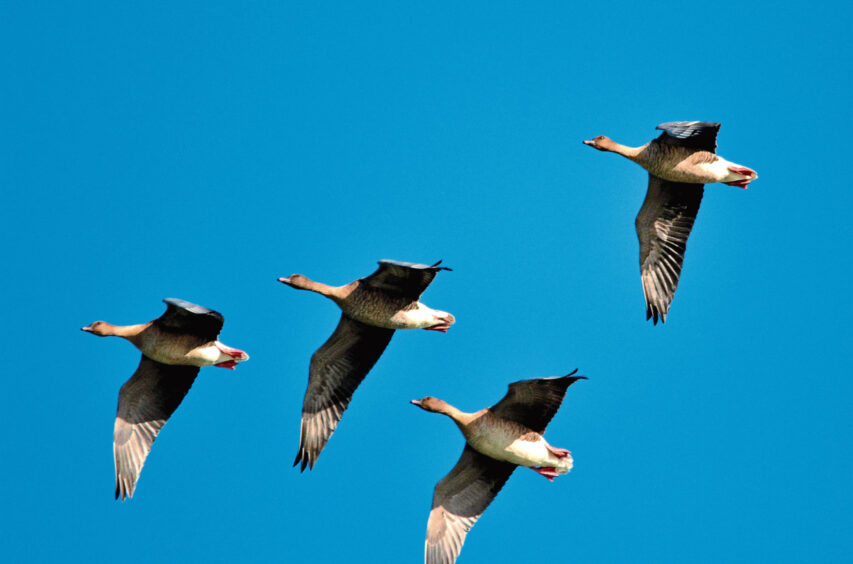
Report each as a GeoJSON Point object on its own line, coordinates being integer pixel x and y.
{"type": "Point", "coordinates": [590, 142]}
{"type": "Point", "coordinates": [416, 402]}
{"type": "Point", "coordinates": [284, 280]}
{"type": "Point", "coordinates": [87, 329]}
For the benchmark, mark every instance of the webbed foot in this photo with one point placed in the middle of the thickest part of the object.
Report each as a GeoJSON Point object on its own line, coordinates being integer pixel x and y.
{"type": "Point", "coordinates": [558, 452]}
{"type": "Point", "coordinates": [548, 472]}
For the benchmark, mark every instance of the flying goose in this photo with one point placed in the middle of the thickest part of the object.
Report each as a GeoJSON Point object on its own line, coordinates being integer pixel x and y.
{"type": "Point", "coordinates": [174, 346]}
{"type": "Point", "coordinates": [372, 309]}
{"type": "Point", "coordinates": [498, 439]}
{"type": "Point", "coordinates": [679, 163]}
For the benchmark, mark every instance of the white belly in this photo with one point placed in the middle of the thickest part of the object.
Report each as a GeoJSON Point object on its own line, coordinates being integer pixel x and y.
{"type": "Point", "coordinates": [518, 451]}
{"type": "Point", "coordinates": [719, 170]}
{"type": "Point", "coordinates": [205, 355]}
{"type": "Point", "coordinates": [417, 318]}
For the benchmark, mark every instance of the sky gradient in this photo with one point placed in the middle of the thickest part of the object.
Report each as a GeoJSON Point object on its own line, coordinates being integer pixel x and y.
{"type": "Point", "coordinates": [202, 150]}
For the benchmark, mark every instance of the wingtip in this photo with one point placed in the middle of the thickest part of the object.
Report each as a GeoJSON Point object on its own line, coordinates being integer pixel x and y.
{"type": "Point", "coordinates": [303, 461]}
{"type": "Point", "coordinates": [571, 376]}
{"type": "Point", "coordinates": [123, 494]}
{"type": "Point", "coordinates": [653, 314]}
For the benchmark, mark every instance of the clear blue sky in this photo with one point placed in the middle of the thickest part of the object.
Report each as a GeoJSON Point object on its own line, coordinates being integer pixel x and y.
{"type": "Point", "coordinates": [202, 150]}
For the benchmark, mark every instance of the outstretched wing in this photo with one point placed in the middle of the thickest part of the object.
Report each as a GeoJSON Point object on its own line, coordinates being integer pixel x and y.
{"type": "Point", "coordinates": [663, 226]}
{"type": "Point", "coordinates": [458, 501]}
{"type": "Point", "coordinates": [145, 403]}
{"type": "Point", "coordinates": [697, 134]}
{"type": "Point", "coordinates": [404, 279]}
{"type": "Point", "coordinates": [188, 318]}
{"type": "Point", "coordinates": [533, 403]}
{"type": "Point", "coordinates": [337, 368]}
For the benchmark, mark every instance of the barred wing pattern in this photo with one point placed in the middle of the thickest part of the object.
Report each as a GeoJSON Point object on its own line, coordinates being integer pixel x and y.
{"type": "Point", "coordinates": [663, 226]}
{"type": "Point", "coordinates": [145, 403]}
{"type": "Point", "coordinates": [336, 370]}
{"type": "Point", "coordinates": [698, 134]}
{"type": "Point", "coordinates": [191, 319]}
{"type": "Point", "coordinates": [458, 501]}
{"type": "Point", "coordinates": [533, 403]}
{"type": "Point", "coordinates": [403, 279]}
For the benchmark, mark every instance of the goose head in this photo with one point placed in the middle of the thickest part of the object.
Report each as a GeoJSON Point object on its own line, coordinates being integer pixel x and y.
{"type": "Point", "coordinates": [295, 281]}
{"type": "Point", "coordinates": [99, 328]}
{"type": "Point", "coordinates": [602, 143]}
{"type": "Point", "coordinates": [431, 404]}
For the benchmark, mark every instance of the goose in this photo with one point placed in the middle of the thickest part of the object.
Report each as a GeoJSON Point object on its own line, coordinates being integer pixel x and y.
{"type": "Point", "coordinates": [174, 346]}
{"type": "Point", "coordinates": [498, 440]}
{"type": "Point", "coordinates": [372, 309]}
{"type": "Point", "coordinates": [679, 162]}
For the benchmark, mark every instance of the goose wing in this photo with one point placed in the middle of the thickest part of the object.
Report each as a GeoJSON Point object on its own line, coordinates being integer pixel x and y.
{"type": "Point", "coordinates": [188, 318]}
{"type": "Point", "coordinates": [697, 134]}
{"type": "Point", "coordinates": [336, 370]}
{"type": "Point", "coordinates": [533, 403]}
{"type": "Point", "coordinates": [458, 501]}
{"type": "Point", "coordinates": [663, 226]}
{"type": "Point", "coordinates": [403, 279]}
{"type": "Point", "coordinates": [145, 403]}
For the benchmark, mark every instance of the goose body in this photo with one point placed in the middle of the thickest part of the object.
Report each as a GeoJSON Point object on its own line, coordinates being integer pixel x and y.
{"type": "Point", "coordinates": [376, 307]}
{"type": "Point", "coordinates": [511, 442]}
{"type": "Point", "coordinates": [498, 440]}
{"type": "Point", "coordinates": [372, 308]}
{"type": "Point", "coordinates": [174, 347]}
{"type": "Point", "coordinates": [180, 349]}
{"type": "Point", "coordinates": [685, 163]}
{"type": "Point", "coordinates": [679, 162]}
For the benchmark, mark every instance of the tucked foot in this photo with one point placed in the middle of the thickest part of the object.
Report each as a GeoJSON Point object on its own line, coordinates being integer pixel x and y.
{"type": "Point", "coordinates": [232, 352]}
{"type": "Point", "coordinates": [443, 323]}
{"type": "Point", "coordinates": [744, 171]}
{"type": "Point", "coordinates": [558, 452]}
{"type": "Point", "coordinates": [229, 364]}
{"type": "Point", "coordinates": [548, 472]}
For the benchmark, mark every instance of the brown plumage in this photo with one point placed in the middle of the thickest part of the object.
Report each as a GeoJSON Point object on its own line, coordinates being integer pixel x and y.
{"type": "Point", "coordinates": [173, 347]}
{"type": "Point", "coordinates": [679, 163]}
{"type": "Point", "coordinates": [372, 309]}
{"type": "Point", "coordinates": [663, 226]}
{"type": "Point", "coordinates": [498, 439]}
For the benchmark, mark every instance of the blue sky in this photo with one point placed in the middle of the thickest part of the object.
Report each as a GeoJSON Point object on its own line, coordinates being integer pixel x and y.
{"type": "Point", "coordinates": [202, 150]}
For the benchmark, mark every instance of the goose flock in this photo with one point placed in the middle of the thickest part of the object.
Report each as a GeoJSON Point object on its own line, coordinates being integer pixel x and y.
{"type": "Point", "coordinates": [497, 439]}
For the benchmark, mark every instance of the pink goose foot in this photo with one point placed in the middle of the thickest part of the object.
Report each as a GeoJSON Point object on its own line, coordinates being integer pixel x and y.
{"type": "Point", "coordinates": [229, 364]}
{"type": "Point", "coordinates": [232, 352]}
{"type": "Point", "coordinates": [548, 472]}
{"type": "Point", "coordinates": [445, 324]}
{"type": "Point", "coordinates": [558, 452]}
{"type": "Point", "coordinates": [744, 171]}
